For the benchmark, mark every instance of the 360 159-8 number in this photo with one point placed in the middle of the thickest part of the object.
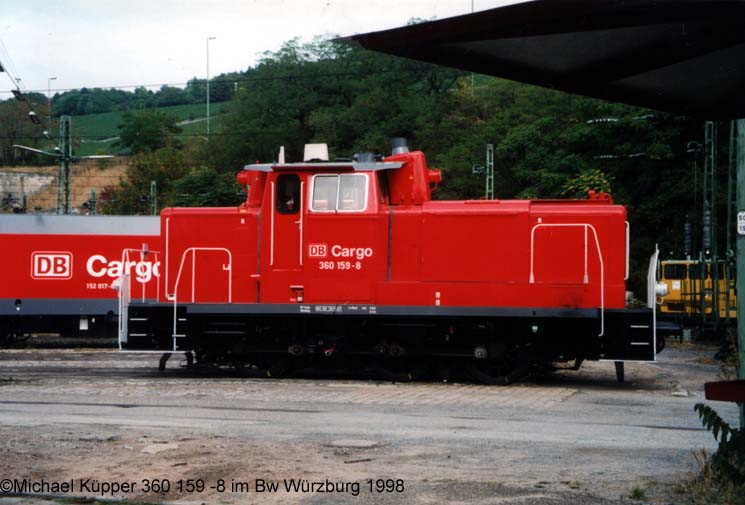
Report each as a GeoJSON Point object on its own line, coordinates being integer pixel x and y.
{"type": "Point", "coordinates": [339, 265]}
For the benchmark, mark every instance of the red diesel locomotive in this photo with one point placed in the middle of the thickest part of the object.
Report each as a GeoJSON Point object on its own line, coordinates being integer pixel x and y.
{"type": "Point", "coordinates": [57, 272]}
{"type": "Point", "coordinates": [350, 263]}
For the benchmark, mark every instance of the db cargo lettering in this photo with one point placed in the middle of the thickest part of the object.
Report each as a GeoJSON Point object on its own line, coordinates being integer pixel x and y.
{"type": "Point", "coordinates": [351, 252]}
{"type": "Point", "coordinates": [51, 265]}
{"type": "Point", "coordinates": [99, 266]}
{"type": "Point", "coordinates": [338, 251]}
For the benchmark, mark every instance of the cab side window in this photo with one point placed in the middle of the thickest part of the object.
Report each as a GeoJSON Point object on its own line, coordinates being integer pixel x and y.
{"type": "Point", "coordinates": [324, 193]}
{"type": "Point", "coordinates": [352, 192]}
{"type": "Point", "coordinates": [288, 194]}
{"type": "Point", "coordinates": [339, 193]}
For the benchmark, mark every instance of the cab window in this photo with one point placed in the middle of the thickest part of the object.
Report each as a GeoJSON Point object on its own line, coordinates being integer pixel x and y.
{"type": "Point", "coordinates": [288, 193]}
{"type": "Point", "coordinates": [324, 193]}
{"type": "Point", "coordinates": [339, 193]}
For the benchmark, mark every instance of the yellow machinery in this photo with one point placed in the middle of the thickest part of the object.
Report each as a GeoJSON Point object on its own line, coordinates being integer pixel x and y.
{"type": "Point", "coordinates": [684, 293]}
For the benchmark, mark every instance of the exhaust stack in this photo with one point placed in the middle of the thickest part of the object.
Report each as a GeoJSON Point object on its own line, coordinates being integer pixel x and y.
{"type": "Point", "coordinates": [398, 145]}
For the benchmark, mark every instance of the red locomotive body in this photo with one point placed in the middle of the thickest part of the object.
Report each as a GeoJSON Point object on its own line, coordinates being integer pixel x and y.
{"type": "Point", "coordinates": [352, 261]}
{"type": "Point", "coordinates": [57, 271]}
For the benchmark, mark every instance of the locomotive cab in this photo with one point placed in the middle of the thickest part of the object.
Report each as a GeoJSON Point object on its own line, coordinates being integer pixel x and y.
{"type": "Point", "coordinates": [320, 221]}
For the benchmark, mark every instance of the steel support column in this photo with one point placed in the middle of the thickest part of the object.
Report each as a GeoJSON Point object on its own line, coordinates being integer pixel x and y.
{"type": "Point", "coordinates": [741, 256]}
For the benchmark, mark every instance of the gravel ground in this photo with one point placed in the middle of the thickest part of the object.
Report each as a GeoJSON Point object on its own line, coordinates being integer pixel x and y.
{"type": "Point", "coordinates": [98, 419]}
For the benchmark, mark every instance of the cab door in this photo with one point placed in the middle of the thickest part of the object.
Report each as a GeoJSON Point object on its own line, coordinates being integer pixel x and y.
{"type": "Point", "coordinates": [283, 230]}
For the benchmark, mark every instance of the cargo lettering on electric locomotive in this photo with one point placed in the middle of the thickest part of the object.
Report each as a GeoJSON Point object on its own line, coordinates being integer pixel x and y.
{"type": "Point", "coordinates": [58, 271]}
{"type": "Point", "coordinates": [99, 266]}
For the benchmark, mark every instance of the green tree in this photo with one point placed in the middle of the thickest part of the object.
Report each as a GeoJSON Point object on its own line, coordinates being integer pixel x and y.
{"type": "Point", "coordinates": [352, 99]}
{"type": "Point", "coordinates": [132, 194]}
{"type": "Point", "coordinates": [205, 187]}
{"type": "Point", "coordinates": [592, 179]}
{"type": "Point", "coordinates": [16, 128]}
{"type": "Point", "coordinates": [169, 95]}
{"type": "Point", "coordinates": [147, 130]}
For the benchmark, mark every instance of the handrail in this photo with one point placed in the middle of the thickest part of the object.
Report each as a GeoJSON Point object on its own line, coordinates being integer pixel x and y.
{"type": "Point", "coordinates": [193, 251]}
{"type": "Point", "coordinates": [124, 286]}
{"type": "Point", "coordinates": [628, 250]}
{"type": "Point", "coordinates": [586, 227]}
{"type": "Point", "coordinates": [122, 323]}
{"type": "Point", "coordinates": [271, 225]}
{"type": "Point", "coordinates": [125, 260]}
{"type": "Point", "coordinates": [300, 222]}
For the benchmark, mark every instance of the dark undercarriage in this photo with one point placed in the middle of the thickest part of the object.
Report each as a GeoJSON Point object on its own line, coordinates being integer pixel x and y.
{"type": "Point", "coordinates": [498, 349]}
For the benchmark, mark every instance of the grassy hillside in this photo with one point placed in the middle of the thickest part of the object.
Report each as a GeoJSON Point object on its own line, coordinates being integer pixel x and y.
{"type": "Point", "coordinates": [97, 132]}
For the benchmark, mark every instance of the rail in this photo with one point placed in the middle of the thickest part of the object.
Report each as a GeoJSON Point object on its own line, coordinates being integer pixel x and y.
{"type": "Point", "coordinates": [193, 251]}
{"type": "Point", "coordinates": [585, 227]}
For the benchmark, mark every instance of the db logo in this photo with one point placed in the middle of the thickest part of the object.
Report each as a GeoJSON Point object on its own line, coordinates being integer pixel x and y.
{"type": "Point", "coordinates": [51, 265]}
{"type": "Point", "coordinates": [317, 250]}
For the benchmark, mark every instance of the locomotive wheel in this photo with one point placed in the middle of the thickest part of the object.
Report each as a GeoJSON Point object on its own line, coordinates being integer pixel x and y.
{"type": "Point", "coordinates": [504, 368]}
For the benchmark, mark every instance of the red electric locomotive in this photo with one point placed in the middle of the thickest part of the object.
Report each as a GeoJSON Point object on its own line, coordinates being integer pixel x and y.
{"type": "Point", "coordinates": [57, 271]}
{"type": "Point", "coordinates": [351, 263]}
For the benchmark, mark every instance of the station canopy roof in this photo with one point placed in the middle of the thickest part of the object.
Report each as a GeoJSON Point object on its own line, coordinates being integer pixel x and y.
{"type": "Point", "coordinates": [683, 56]}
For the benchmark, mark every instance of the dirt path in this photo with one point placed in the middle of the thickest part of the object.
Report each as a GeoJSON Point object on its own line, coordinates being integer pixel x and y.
{"type": "Point", "coordinates": [68, 416]}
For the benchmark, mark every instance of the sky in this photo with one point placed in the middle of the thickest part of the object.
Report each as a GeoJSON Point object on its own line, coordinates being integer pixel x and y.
{"type": "Point", "coordinates": [115, 43]}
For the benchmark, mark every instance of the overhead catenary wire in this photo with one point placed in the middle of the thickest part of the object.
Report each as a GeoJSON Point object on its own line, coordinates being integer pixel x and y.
{"type": "Point", "coordinates": [169, 135]}
{"type": "Point", "coordinates": [246, 79]}
{"type": "Point", "coordinates": [10, 68]}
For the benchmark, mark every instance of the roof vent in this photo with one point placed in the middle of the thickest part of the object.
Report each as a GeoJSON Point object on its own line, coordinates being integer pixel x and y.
{"type": "Point", "coordinates": [398, 145]}
{"type": "Point", "coordinates": [365, 157]}
{"type": "Point", "coordinates": [316, 152]}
